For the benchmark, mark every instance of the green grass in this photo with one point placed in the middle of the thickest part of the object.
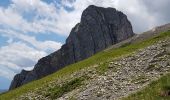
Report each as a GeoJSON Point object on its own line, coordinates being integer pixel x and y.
{"type": "Point", "coordinates": [157, 90]}
{"type": "Point", "coordinates": [103, 57]}
{"type": "Point", "coordinates": [58, 90]}
{"type": "Point", "coordinates": [102, 68]}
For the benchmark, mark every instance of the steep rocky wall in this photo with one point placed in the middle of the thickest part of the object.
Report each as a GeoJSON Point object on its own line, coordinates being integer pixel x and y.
{"type": "Point", "coordinates": [99, 28]}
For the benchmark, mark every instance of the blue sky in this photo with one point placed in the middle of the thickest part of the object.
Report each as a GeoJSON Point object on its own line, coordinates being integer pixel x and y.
{"type": "Point", "coordinates": [31, 29]}
{"type": "Point", "coordinates": [4, 3]}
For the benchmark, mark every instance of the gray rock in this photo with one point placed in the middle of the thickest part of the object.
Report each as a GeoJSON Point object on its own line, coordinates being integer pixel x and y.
{"type": "Point", "coordinates": [99, 28]}
{"type": "Point", "coordinates": [17, 81]}
{"type": "Point", "coordinates": [168, 49]}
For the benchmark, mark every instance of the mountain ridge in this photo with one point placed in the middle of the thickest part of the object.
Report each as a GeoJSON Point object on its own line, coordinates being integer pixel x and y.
{"type": "Point", "coordinates": [99, 28]}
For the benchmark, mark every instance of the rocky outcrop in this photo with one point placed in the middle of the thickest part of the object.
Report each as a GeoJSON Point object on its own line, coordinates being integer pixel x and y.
{"type": "Point", "coordinates": [17, 81]}
{"type": "Point", "coordinates": [99, 28]}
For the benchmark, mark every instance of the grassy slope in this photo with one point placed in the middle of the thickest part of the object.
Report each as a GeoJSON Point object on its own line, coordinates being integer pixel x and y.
{"type": "Point", "coordinates": [103, 56]}
{"type": "Point", "coordinates": [153, 91]}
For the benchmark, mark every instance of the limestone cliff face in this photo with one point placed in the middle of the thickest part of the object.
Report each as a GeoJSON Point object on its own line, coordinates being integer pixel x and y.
{"type": "Point", "coordinates": [99, 28]}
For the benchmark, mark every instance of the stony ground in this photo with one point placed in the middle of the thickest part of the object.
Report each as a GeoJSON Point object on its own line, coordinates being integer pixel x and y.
{"type": "Point", "coordinates": [123, 76]}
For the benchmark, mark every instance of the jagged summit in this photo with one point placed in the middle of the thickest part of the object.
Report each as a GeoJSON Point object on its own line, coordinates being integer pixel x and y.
{"type": "Point", "coordinates": [99, 28]}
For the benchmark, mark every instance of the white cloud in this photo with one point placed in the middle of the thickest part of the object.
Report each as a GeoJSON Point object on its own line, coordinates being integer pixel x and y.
{"type": "Point", "coordinates": [43, 16]}
{"type": "Point", "coordinates": [24, 54]}
{"type": "Point", "coordinates": [40, 45]}
{"type": "Point", "coordinates": [17, 56]}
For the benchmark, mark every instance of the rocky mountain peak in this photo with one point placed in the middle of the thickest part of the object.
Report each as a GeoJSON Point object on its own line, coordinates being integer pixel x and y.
{"type": "Point", "coordinates": [99, 28]}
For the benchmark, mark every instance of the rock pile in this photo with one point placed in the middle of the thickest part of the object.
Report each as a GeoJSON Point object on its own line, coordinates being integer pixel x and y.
{"type": "Point", "coordinates": [133, 73]}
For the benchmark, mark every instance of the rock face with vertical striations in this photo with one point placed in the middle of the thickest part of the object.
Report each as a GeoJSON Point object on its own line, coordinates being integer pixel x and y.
{"type": "Point", "coordinates": [99, 28]}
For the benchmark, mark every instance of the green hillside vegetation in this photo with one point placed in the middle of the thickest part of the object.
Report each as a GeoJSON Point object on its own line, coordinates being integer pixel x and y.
{"type": "Point", "coordinates": [101, 57]}
{"type": "Point", "coordinates": [157, 90]}
{"type": "Point", "coordinates": [58, 91]}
